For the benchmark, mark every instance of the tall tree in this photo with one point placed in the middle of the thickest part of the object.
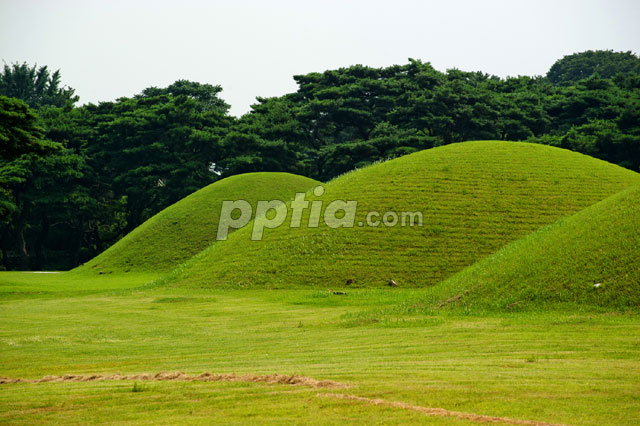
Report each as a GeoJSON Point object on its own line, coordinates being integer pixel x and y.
{"type": "Point", "coordinates": [206, 95]}
{"type": "Point", "coordinates": [605, 63]}
{"type": "Point", "coordinates": [20, 132]}
{"type": "Point", "coordinates": [156, 148]}
{"type": "Point", "coordinates": [21, 141]}
{"type": "Point", "coordinates": [36, 86]}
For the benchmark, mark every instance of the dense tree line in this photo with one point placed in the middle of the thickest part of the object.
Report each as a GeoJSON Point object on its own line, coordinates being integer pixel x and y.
{"type": "Point", "coordinates": [74, 179]}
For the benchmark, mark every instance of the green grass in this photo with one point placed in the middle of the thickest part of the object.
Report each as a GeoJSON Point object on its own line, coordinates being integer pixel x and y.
{"type": "Point", "coordinates": [561, 263]}
{"type": "Point", "coordinates": [17, 284]}
{"type": "Point", "coordinates": [193, 404]}
{"type": "Point", "coordinates": [475, 197]}
{"type": "Point", "coordinates": [545, 366]}
{"type": "Point", "coordinates": [190, 225]}
{"type": "Point", "coordinates": [548, 217]}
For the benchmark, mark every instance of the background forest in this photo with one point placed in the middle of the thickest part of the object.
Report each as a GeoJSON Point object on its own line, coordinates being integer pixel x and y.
{"type": "Point", "coordinates": [75, 179]}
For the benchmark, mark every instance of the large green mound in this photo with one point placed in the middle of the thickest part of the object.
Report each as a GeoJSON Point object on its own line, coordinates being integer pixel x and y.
{"type": "Point", "coordinates": [187, 227]}
{"type": "Point", "coordinates": [590, 258]}
{"type": "Point", "coordinates": [475, 198]}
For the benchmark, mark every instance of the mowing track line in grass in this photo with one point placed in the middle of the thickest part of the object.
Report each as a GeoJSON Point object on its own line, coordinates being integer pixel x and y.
{"type": "Point", "coordinates": [182, 377]}
{"type": "Point", "coordinates": [274, 379]}
{"type": "Point", "coordinates": [439, 412]}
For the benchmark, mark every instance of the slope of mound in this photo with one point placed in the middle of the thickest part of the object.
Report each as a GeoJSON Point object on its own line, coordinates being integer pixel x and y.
{"type": "Point", "coordinates": [475, 197]}
{"type": "Point", "coordinates": [190, 225]}
{"type": "Point", "coordinates": [590, 258]}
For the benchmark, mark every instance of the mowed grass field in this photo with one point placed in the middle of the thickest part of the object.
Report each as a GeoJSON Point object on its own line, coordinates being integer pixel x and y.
{"type": "Point", "coordinates": [551, 366]}
{"type": "Point", "coordinates": [18, 284]}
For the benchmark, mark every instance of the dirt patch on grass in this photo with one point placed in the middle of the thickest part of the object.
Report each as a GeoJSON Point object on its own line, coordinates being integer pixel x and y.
{"type": "Point", "coordinates": [182, 377]}
{"type": "Point", "coordinates": [452, 299]}
{"type": "Point", "coordinates": [439, 412]}
{"type": "Point", "coordinates": [276, 379]}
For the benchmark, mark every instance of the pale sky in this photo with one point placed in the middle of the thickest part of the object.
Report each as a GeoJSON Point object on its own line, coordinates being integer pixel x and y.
{"type": "Point", "coordinates": [107, 49]}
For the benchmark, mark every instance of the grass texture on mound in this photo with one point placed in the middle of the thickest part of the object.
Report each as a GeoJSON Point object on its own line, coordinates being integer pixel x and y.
{"type": "Point", "coordinates": [475, 198]}
{"type": "Point", "coordinates": [591, 258]}
{"type": "Point", "coordinates": [185, 228]}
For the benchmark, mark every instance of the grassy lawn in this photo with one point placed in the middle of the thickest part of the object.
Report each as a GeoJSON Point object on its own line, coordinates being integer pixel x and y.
{"type": "Point", "coordinates": [573, 368]}
{"type": "Point", "coordinates": [195, 403]}
{"type": "Point", "coordinates": [18, 284]}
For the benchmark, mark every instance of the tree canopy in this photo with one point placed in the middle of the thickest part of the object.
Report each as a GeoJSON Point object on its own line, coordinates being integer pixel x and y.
{"type": "Point", "coordinates": [20, 133]}
{"type": "Point", "coordinates": [35, 86]}
{"type": "Point", "coordinates": [605, 63]}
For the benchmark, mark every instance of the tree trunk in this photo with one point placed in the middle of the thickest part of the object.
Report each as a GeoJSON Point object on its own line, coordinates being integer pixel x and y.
{"type": "Point", "coordinates": [4, 237]}
{"type": "Point", "coordinates": [41, 243]}
{"type": "Point", "coordinates": [22, 243]}
{"type": "Point", "coordinates": [98, 241]}
{"type": "Point", "coordinates": [77, 246]}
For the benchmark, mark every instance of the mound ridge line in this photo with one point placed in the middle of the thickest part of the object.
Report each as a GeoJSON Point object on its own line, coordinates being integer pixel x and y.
{"type": "Point", "coordinates": [188, 226]}
{"type": "Point", "coordinates": [439, 412]}
{"type": "Point", "coordinates": [182, 377]}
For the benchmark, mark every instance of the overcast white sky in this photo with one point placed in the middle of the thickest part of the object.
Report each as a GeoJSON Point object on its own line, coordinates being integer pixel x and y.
{"type": "Point", "coordinates": [107, 49]}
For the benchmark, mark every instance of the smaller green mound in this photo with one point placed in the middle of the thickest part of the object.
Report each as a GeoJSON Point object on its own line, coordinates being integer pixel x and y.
{"type": "Point", "coordinates": [187, 227]}
{"type": "Point", "coordinates": [589, 259]}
